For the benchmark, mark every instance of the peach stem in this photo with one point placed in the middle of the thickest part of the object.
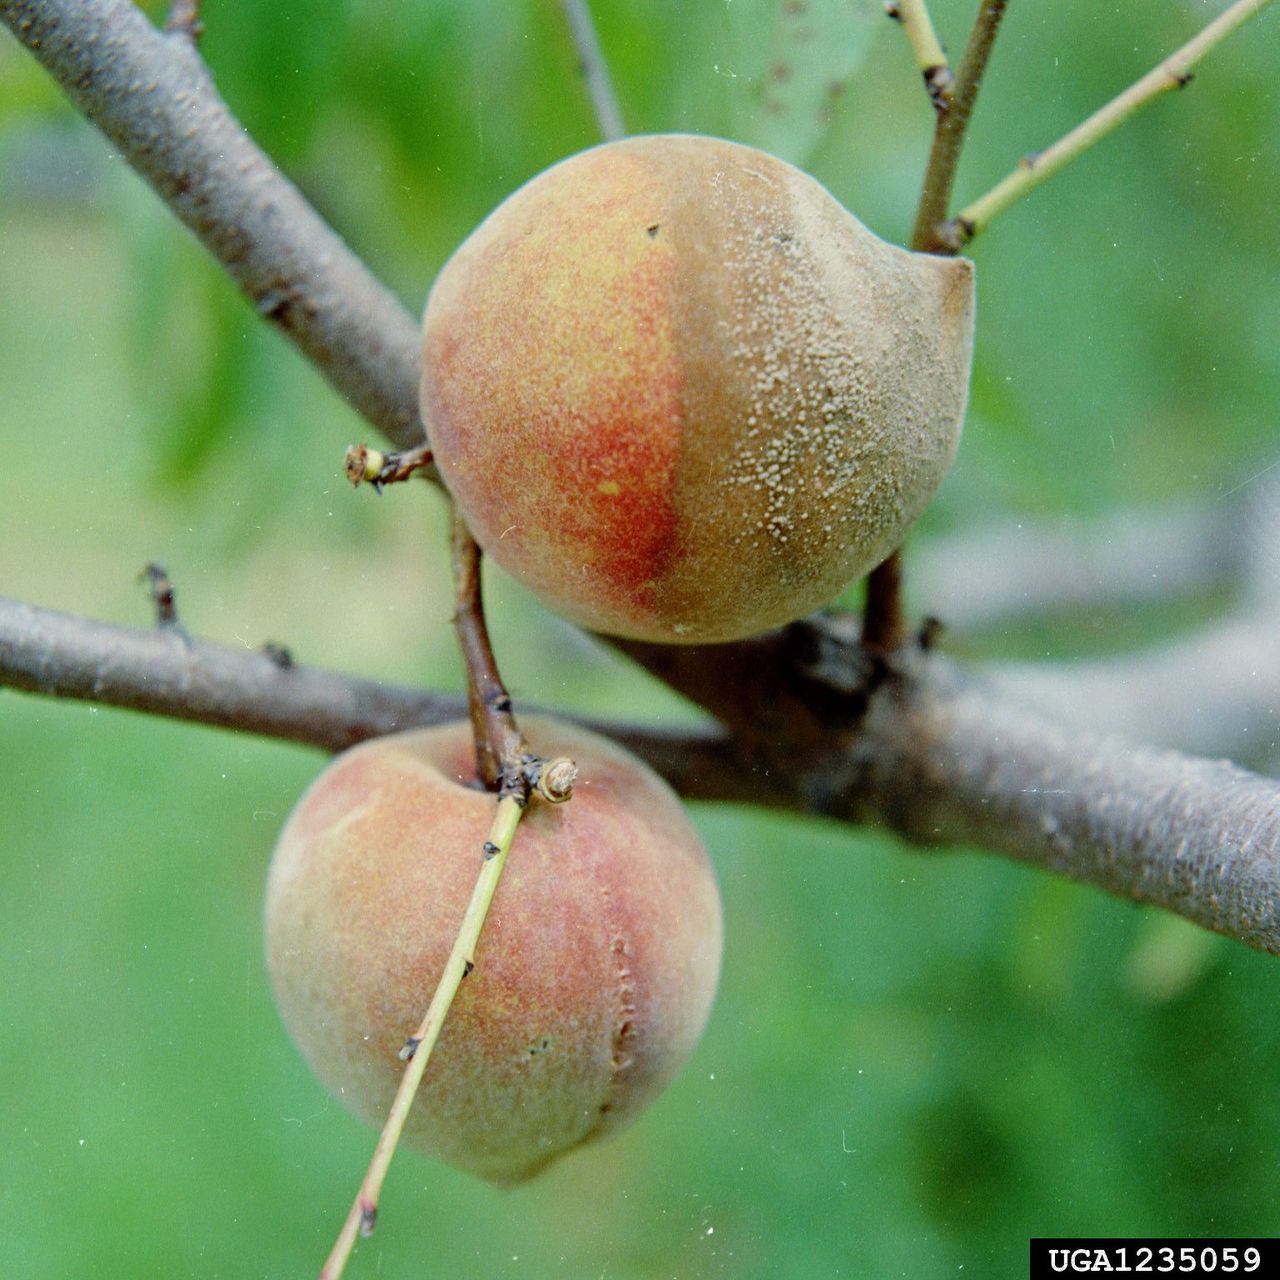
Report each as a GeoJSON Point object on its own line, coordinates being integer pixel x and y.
{"type": "Point", "coordinates": [364, 1210]}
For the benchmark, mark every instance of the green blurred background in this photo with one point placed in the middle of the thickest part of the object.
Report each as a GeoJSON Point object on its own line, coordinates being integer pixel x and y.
{"type": "Point", "coordinates": [915, 1062]}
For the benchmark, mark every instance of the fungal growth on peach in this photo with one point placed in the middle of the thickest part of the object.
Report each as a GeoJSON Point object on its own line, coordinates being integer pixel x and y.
{"type": "Point", "coordinates": [683, 395]}
{"type": "Point", "coordinates": [593, 977]}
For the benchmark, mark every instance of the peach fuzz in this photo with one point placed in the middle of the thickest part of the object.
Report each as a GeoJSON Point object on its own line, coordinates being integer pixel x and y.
{"type": "Point", "coordinates": [683, 395]}
{"type": "Point", "coordinates": [595, 971]}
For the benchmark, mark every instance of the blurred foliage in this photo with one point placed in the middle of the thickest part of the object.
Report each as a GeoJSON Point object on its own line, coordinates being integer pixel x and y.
{"type": "Point", "coordinates": [915, 1063]}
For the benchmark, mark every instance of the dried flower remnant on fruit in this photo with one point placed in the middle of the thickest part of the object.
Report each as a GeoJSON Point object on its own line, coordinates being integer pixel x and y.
{"type": "Point", "coordinates": [553, 779]}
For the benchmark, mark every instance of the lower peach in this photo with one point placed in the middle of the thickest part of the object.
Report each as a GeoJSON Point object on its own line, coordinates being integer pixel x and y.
{"type": "Point", "coordinates": [594, 974]}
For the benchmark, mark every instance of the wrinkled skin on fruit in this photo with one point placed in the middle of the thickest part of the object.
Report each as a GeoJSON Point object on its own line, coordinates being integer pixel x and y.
{"type": "Point", "coordinates": [594, 973]}
{"type": "Point", "coordinates": [683, 395]}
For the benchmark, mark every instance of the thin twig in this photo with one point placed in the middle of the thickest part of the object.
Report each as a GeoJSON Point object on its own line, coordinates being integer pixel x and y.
{"type": "Point", "coordinates": [500, 746]}
{"type": "Point", "coordinates": [883, 616]}
{"type": "Point", "coordinates": [949, 134]}
{"type": "Point", "coordinates": [184, 20]}
{"type": "Point", "coordinates": [931, 58]}
{"type": "Point", "coordinates": [504, 764]}
{"type": "Point", "coordinates": [1173, 73]}
{"type": "Point", "coordinates": [363, 1216]}
{"type": "Point", "coordinates": [595, 69]}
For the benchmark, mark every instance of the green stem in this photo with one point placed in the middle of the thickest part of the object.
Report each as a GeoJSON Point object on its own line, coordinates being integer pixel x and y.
{"type": "Point", "coordinates": [931, 58]}
{"type": "Point", "coordinates": [1173, 73]}
{"type": "Point", "coordinates": [362, 1218]}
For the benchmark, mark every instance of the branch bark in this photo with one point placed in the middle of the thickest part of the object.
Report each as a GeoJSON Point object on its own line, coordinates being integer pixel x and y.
{"type": "Point", "coordinates": [949, 759]}
{"type": "Point", "coordinates": [937, 754]}
{"type": "Point", "coordinates": [163, 672]}
{"type": "Point", "coordinates": [595, 70]}
{"type": "Point", "coordinates": [1215, 692]}
{"type": "Point", "coordinates": [948, 136]}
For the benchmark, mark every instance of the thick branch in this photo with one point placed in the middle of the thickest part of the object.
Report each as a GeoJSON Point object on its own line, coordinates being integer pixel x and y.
{"type": "Point", "coordinates": [266, 692]}
{"type": "Point", "coordinates": [165, 673]}
{"type": "Point", "coordinates": [151, 94]}
{"type": "Point", "coordinates": [948, 759]}
{"type": "Point", "coordinates": [936, 754]}
{"type": "Point", "coordinates": [1215, 692]}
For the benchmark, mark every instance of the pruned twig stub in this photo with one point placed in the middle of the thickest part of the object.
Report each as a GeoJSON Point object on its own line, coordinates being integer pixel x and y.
{"type": "Point", "coordinates": [364, 464]}
{"type": "Point", "coordinates": [163, 596]}
{"type": "Point", "coordinates": [184, 20]}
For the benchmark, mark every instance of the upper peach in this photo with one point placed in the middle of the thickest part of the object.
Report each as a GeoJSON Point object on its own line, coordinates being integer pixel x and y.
{"type": "Point", "coordinates": [683, 395]}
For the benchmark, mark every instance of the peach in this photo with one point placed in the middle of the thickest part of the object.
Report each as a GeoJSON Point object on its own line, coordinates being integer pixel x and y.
{"type": "Point", "coordinates": [683, 395]}
{"type": "Point", "coordinates": [595, 970]}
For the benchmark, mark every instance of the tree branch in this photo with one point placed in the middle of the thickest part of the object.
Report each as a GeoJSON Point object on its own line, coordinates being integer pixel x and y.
{"type": "Point", "coordinates": [1215, 692]}
{"type": "Point", "coordinates": [151, 94]}
{"type": "Point", "coordinates": [931, 58]}
{"type": "Point", "coordinates": [184, 18]}
{"type": "Point", "coordinates": [500, 746]}
{"type": "Point", "coordinates": [939, 755]}
{"type": "Point", "coordinates": [949, 759]}
{"type": "Point", "coordinates": [266, 692]}
{"type": "Point", "coordinates": [161, 672]}
{"type": "Point", "coordinates": [884, 621]}
{"type": "Point", "coordinates": [1056, 568]}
